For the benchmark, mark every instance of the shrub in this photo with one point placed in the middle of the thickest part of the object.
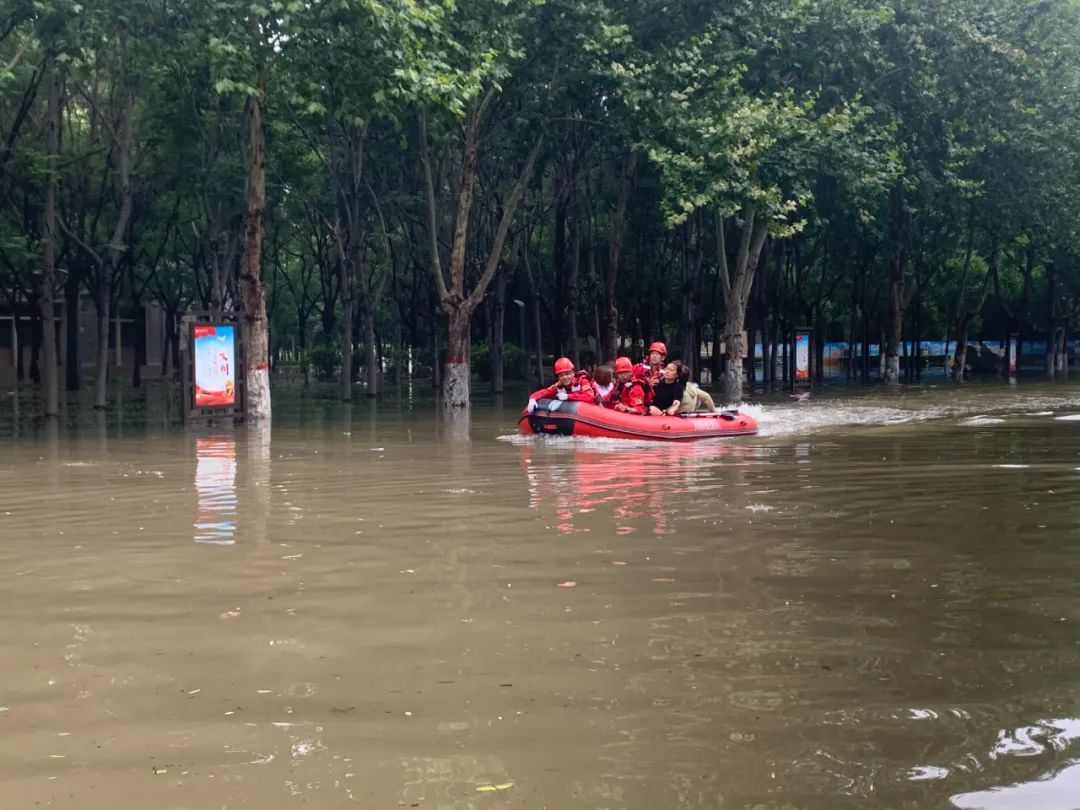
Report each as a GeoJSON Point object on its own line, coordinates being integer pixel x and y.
{"type": "Point", "coordinates": [513, 359]}
{"type": "Point", "coordinates": [325, 362]}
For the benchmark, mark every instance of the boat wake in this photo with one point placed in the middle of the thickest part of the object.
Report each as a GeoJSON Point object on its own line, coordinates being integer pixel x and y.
{"type": "Point", "coordinates": [802, 419]}
{"type": "Point", "coordinates": [982, 408]}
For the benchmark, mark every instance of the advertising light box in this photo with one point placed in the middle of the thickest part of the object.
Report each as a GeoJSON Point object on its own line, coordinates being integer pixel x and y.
{"type": "Point", "coordinates": [215, 365]}
{"type": "Point", "coordinates": [802, 358]}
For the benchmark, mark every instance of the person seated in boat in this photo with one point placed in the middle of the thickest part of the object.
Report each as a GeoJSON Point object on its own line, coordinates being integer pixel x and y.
{"type": "Point", "coordinates": [603, 381]}
{"type": "Point", "coordinates": [654, 361]}
{"type": "Point", "coordinates": [695, 399]}
{"type": "Point", "coordinates": [575, 386]}
{"type": "Point", "coordinates": [668, 392]}
{"type": "Point", "coordinates": [632, 393]}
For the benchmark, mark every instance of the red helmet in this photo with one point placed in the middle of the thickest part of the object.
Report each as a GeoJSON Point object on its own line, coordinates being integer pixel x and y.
{"type": "Point", "coordinates": [563, 365]}
{"type": "Point", "coordinates": [623, 364]}
{"type": "Point", "coordinates": [658, 347]}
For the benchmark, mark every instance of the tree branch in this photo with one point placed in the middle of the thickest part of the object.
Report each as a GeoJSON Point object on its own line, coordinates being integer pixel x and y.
{"type": "Point", "coordinates": [429, 187]}
{"type": "Point", "coordinates": [504, 226]}
{"type": "Point", "coordinates": [71, 235]}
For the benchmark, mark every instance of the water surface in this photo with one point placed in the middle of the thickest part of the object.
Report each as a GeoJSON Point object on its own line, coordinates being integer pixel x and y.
{"type": "Point", "coordinates": [875, 603]}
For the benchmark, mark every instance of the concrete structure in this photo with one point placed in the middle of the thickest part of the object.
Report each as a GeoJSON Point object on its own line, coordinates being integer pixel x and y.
{"type": "Point", "coordinates": [16, 339]}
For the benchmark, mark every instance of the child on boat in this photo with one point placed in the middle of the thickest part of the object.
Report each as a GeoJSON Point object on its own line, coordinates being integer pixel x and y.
{"type": "Point", "coordinates": [603, 382]}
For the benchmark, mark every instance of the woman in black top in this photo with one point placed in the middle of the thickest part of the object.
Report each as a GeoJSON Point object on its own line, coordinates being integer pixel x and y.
{"type": "Point", "coordinates": [668, 392]}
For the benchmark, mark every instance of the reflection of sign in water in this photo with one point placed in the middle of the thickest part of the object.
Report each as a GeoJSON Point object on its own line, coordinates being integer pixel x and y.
{"type": "Point", "coordinates": [215, 486]}
{"type": "Point", "coordinates": [802, 357]}
{"type": "Point", "coordinates": [215, 365]}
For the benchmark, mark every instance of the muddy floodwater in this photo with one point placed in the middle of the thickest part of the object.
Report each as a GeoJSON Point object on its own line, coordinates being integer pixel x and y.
{"type": "Point", "coordinates": [873, 604]}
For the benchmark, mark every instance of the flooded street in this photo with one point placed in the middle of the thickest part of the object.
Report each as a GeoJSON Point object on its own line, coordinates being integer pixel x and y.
{"type": "Point", "coordinates": [875, 603]}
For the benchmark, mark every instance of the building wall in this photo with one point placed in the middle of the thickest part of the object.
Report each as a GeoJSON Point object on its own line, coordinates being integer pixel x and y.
{"type": "Point", "coordinates": [86, 324]}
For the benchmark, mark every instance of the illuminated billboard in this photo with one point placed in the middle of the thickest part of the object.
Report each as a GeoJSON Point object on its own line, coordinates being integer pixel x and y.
{"type": "Point", "coordinates": [802, 357]}
{"type": "Point", "coordinates": [214, 364]}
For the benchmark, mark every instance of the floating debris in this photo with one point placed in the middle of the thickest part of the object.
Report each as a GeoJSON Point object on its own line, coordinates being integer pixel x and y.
{"type": "Point", "coordinates": [493, 788]}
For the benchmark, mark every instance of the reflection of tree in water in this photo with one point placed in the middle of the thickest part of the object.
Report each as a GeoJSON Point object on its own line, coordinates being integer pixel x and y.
{"type": "Point", "coordinates": [215, 486]}
{"type": "Point", "coordinates": [632, 485]}
{"type": "Point", "coordinates": [255, 484]}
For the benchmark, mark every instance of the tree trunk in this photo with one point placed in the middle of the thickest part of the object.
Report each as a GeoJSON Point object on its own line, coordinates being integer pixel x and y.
{"type": "Point", "coordinates": [737, 295]}
{"type": "Point", "coordinates": [895, 325]}
{"type": "Point", "coordinates": [371, 348]}
{"type": "Point", "coordinates": [859, 281]}
{"type": "Point", "coordinates": [692, 290]}
{"type": "Point", "coordinates": [458, 306]}
{"type": "Point", "coordinates": [895, 308]}
{"type": "Point", "coordinates": [36, 332]}
{"type": "Point", "coordinates": [774, 347]}
{"type": "Point", "coordinates": [110, 259]}
{"type": "Point", "coordinates": [572, 294]}
{"type": "Point", "coordinates": [964, 316]}
{"type": "Point", "coordinates": [534, 307]}
{"type": "Point", "coordinates": [456, 386]}
{"type": "Point", "coordinates": [348, 277]}
{"type": "Point", "coordinates": [139, 311]}
{"type": "Point", "coordinates": [1063, 353]}
{"type": "Point", "coordinates": [716, 359]}
{"type": "Point", "coordinates": [20, 340]}
{"type": "Point", "coordinates": [436, 364]}
{"type": "Point", "coordinates": [821, 332]}
{"type": "Point", "coordinates": [609, 321]}
{"type": "Point", "coordinates": [596, 330]}
{"type": "Point", "coordinates": [916, 335]}
{"type": "Point", "coordinates": [72, 360]}
{"type": "Point", "coordinates": [1051, 317]}
{"type": "Point", "coordinates": [1020, 319]}
{"type": "Point", "coordinates": [252, 292]}
{"type": "Point", "coordinates": [498, 327]}
{"type": "Point", "coordinates": [865, 373]}
{"type": "Point", "coordinates": [399, 353]}
{"type": "Point", "coordinates": [961, 349]}
{"type": "Point", "coordinates": [750, 361]}
{"type": "Point", "coordinates": [559, 262]}
{"type": "Point", "coordinates": [47, 281]}
{"type": "Point", "coordinates": [328, 319]}
{"type": "Point", "coordinates": [102, 299]}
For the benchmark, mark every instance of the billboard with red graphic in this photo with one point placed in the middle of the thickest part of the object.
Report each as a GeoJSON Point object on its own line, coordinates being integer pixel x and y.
{"type": "Point", "coordinates": [214, 362]}
{"type": "Point", "coordinates": [802, 357]}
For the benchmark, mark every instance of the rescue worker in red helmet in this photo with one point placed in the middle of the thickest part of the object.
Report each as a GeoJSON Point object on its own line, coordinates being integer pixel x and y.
{"type": "Point", "coordinates": [623, 371]}
{"type": "Point", "coordinates": [575, 386]}
{"type": "Point", "coordinates": [632, 392]}
{"type": "Point", "coordinates": [654, 361]}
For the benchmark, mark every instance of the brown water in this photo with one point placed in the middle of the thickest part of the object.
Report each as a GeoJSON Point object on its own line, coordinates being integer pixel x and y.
{"type": "Point", "coordinates": [874, 604]}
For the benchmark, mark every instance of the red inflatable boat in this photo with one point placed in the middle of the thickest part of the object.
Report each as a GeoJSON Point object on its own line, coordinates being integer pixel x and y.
{"type": "Point", "coordinates": [564, 418]}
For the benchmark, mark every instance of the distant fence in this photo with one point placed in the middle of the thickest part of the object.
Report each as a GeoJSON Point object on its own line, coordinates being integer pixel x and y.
{"type": "Point", "coordinates": [935, 358]}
